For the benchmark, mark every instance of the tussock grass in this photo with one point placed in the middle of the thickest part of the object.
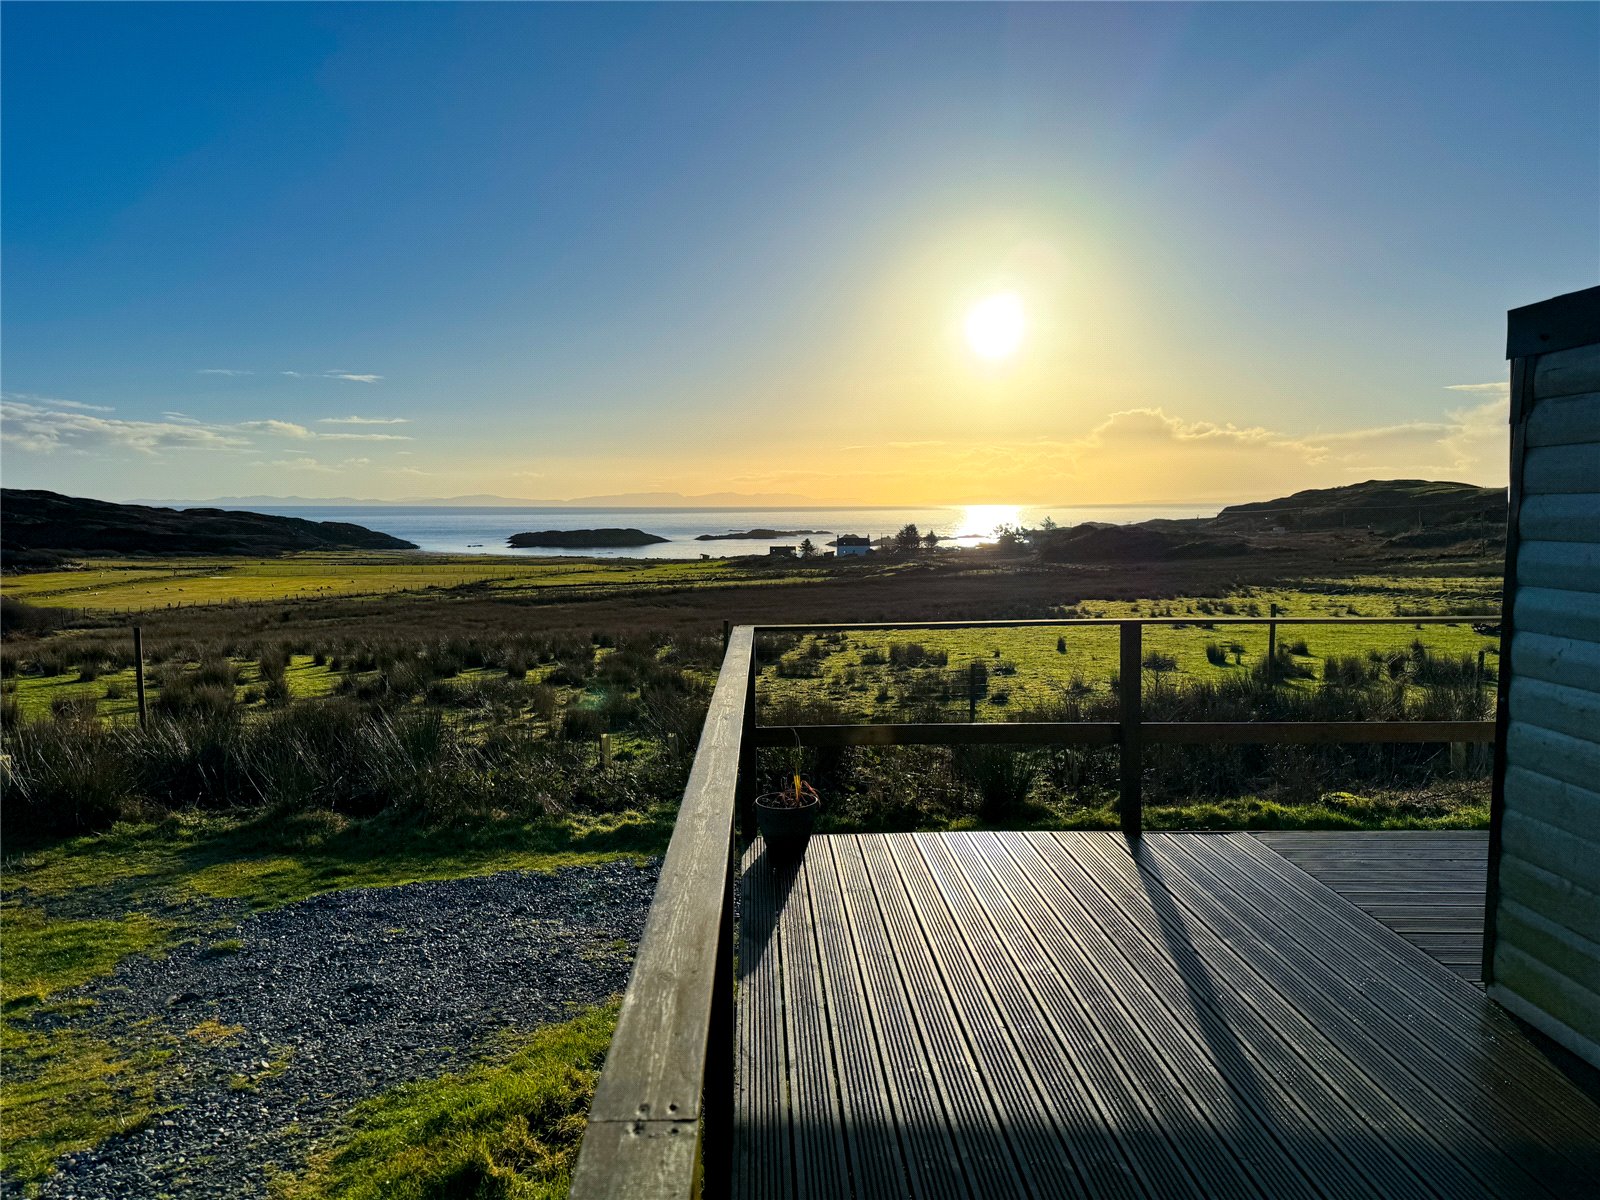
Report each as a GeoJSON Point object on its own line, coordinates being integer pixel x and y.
{"type": "Point", "coordinates": [509, 1127]}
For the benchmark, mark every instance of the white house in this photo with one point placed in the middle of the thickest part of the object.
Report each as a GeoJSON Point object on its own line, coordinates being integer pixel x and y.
{"type": "Point", "coordinates": [850, 544]}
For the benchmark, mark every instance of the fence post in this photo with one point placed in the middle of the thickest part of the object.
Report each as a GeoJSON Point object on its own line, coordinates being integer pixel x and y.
{"type": "Point", "coordinates": [1130, 712]}
{"type": "Point", "coordinates": [605, 750]}
{"type": "Point", "coordinates": [138, 673]}
{"type": "Point", "coordinates": [746, 793]}
{"type": "Point", "coordinates": [972, 690]}
{"type": "Point", "coordinates": [1272, 643]}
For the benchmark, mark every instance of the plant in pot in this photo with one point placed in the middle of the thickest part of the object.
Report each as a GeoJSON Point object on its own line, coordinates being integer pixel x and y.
{"type": "Point", "coordinates": [786, 816]}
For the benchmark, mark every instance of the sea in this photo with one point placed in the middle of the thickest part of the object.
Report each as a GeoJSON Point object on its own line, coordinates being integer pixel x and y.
{"type": "Point", "coordinates": [443, 529]}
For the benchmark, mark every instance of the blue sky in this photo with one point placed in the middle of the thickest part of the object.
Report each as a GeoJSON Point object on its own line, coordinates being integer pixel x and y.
{"type": "Point", "coordinates": [551, 251]}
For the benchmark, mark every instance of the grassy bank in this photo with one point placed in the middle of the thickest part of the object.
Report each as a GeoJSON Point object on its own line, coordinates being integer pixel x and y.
{"type": "Point", "coordinates": [509, 1127]}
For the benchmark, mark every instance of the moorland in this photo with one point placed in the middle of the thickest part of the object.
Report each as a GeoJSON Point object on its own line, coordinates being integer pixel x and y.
{"type": "Point", "coordinates": [325, 722]}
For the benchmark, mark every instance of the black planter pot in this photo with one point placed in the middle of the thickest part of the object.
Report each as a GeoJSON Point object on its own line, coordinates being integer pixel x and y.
{"type": "Point", "coordinates": [786, 828]}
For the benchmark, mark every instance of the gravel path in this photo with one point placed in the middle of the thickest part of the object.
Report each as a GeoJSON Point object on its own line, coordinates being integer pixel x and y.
{"type": "Point", "coordinates": [342, 996]}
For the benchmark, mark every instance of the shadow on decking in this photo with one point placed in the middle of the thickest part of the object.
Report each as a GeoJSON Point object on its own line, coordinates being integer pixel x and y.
{"type": "Point", "coordinates": [995, 1015]}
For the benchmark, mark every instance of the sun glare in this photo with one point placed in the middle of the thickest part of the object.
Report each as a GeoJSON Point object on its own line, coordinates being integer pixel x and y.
{"type": "Point", "coordinates": [981, 520]}
{"type": "Point", "coordinates": [995, 326]}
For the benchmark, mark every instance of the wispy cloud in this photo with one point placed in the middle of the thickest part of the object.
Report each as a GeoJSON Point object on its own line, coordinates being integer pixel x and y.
{"type": "Point", "coordinates": [286, 429]}
{"type": "Point", "coordinates": [289, 429]}
{"type": "Point", "coordinates": [52, 402]}
{"type": "Point", "coordinates": [307, 463]}
{"type": "Point", "coordinates": [364, 421]}
{"type": "Point", "coordinates": [351, 376]}
{"type": "Point", "coordinates": [301, 464]}
{"type": "Point", "coordinates": [1499, 388]}
{"type": "Point", "coordinates": [222, 371]}
{"type": "Point", "coordinates": [40, 430]}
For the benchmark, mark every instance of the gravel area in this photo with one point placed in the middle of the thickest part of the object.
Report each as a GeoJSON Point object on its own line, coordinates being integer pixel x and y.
{"type": "Point", "coordinates": [340, 997]}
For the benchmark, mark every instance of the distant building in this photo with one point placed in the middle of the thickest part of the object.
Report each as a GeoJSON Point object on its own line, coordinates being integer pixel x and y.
{"type": "Point", "coordinates": [781, 551]}
{"type": "Point", "coordinates": [851, 544]}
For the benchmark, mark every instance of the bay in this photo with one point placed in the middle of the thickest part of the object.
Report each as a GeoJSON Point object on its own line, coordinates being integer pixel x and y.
{"type": "Point", "coordinates": [442, 529]}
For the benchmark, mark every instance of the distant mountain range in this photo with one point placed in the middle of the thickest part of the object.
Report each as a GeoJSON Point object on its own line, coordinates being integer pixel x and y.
{"type": "Point", "coordinates": [487, 500]}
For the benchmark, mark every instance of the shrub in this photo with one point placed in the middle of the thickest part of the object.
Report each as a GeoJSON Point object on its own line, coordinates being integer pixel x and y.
{"type": "Point", "coordinates": [206, 692]}
{"type": "Point", "coordinates": [1000, 776]}
{"type": "Point", "coordinates": [79, 708]}
{"type": "Point", "coordinates": [1216, 655]}
{"type": "Point", "coordinates": [582, 725]}
{"type": "Point", "coordinates": [1345, 671]}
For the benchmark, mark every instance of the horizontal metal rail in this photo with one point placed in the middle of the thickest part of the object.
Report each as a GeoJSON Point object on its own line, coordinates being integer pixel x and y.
{"type": "Point", "coordinates": [1193, 619]}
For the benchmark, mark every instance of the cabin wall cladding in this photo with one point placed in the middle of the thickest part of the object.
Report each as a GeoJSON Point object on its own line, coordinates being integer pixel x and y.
{"type": "Point", "coordinates": [1542, 947]}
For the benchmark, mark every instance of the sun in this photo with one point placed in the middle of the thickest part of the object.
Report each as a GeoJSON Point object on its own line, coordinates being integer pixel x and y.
{"type": "Point", "coordinates": [995, 326]}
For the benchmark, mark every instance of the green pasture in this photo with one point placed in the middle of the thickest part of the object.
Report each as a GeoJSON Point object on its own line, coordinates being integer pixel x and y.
{"type": "Point", "coordinates": [865, 674]}
{"type": "Point", "coordinates": [117, 585]}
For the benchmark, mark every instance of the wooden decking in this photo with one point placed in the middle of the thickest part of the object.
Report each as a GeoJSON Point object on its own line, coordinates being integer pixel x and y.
{"type": "Point", "coordinates": [996, 1015]}
{"type": "Point", "coordinates": [1426, 885]}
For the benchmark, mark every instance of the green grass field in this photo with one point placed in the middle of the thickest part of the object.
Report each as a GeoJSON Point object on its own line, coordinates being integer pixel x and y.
{"type": "Point", "coordinates": [120, 586]}
{"type": "Point", "coordinates": [863, 674]}
{"type": "Point", "coordinates": [36, 695]}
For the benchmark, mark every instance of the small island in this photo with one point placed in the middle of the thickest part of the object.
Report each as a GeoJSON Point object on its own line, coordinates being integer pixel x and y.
{"type": "Point", "coordinates": [584, 539]}
{"type": "Point", "coordinates": [759, 535]}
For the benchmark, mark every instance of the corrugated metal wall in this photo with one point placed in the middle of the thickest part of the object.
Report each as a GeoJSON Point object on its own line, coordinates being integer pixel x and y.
{"type": "Point", "coordinates": [1543, 949]}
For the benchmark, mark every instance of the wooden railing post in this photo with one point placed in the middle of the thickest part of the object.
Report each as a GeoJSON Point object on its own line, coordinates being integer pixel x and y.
{"type": "Point", "coordinates": [138, 674]}
{"type": "Point", "coordinates": [1131, 715]}
{"type": "Point", "coordinates": [747, 757]}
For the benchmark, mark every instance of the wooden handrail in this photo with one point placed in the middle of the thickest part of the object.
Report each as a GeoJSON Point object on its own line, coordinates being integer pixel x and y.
{"type": "Point", "coordinates": [643, 1138]}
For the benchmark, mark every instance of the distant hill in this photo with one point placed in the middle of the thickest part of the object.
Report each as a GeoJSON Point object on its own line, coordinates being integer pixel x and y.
{"type": "Point", "coordinates": [1144, 542]}
{"type": "Point", "coordinates": [1389, 505]}
{"type": "Point", "coordinates": [1385, 515]}
{"type": "Point", "coordinates": [39, 528]}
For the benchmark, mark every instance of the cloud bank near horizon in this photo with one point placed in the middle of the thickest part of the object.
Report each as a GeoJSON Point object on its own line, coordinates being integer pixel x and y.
{"type": "Point", "coordinates": [1138, 454]}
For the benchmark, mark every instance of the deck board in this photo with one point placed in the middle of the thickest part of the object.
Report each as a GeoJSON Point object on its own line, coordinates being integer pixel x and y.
{"type": "Point", "coordinates": [1427, 885]}
{"type": "Point", "coordinates": [992, 1015]}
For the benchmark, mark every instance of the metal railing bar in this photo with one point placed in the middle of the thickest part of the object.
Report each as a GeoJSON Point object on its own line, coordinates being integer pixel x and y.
{"type": "Point", "coordinates": [1193, 619]}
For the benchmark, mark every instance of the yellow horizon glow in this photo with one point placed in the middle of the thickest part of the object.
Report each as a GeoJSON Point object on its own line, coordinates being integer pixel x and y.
{"type": "Point", "coordinates": [995, 326]}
